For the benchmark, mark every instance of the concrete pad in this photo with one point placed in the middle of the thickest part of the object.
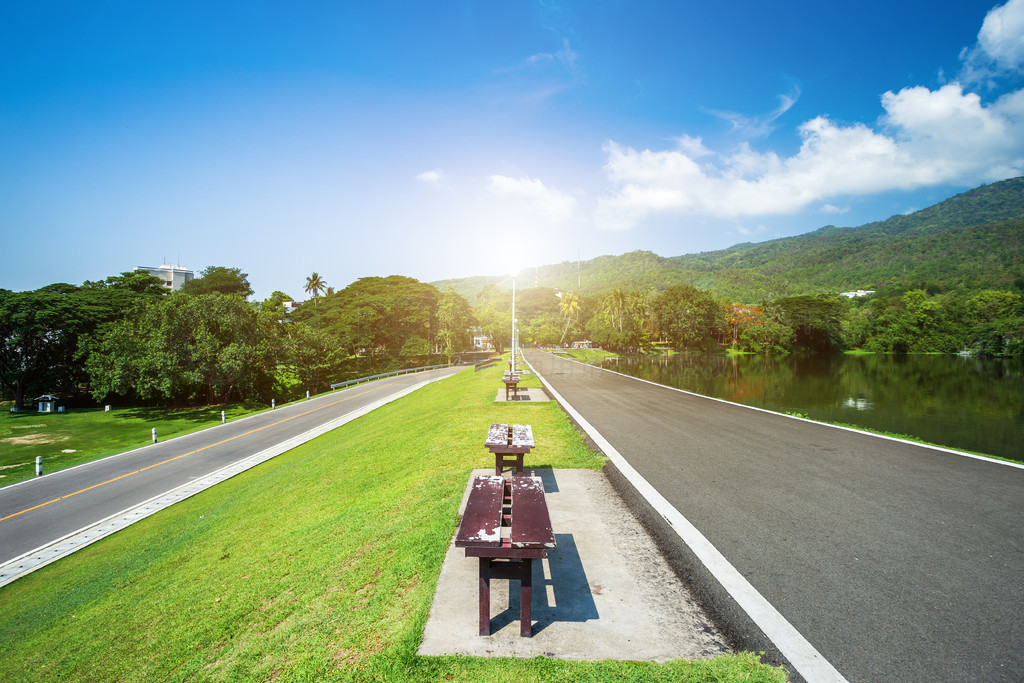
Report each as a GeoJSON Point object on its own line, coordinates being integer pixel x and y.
{"type": "Point", "coordinates": [604, 593]}
{"type": "Point", "coordinates": [534, 395]}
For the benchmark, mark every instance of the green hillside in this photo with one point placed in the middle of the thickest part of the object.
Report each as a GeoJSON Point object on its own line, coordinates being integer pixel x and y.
{"type": "Point", "coordinates": [969, 242]}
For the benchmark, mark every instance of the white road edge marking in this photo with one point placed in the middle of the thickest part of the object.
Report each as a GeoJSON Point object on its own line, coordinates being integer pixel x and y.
{"type": "Point", "coordinates": [808, 662]}
{"type": "Point", "coordinates": [62, 547]}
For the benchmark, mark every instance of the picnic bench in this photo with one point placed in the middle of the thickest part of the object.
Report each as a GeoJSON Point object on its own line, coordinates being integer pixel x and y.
{"type": "Point", "coordinates": [509, 443]}
{"type": "Point", "coordinates": [506, 525]}
{"type": "Point", "coordinates": [511, 380]}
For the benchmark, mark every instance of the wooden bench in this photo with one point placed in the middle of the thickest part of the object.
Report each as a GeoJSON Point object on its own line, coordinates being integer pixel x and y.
{"type": "Point", "coordinates": [483, 365]}
{"type": "Point", "coordinates": [509, 443]}
{"type": "Point", "coordinates": [511, 381]}
{"type": "Point", "coordinates": [506, 525]}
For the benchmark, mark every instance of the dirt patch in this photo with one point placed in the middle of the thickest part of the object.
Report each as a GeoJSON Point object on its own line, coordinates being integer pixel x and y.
{"type": "Point", "coordinates": [33, 439]}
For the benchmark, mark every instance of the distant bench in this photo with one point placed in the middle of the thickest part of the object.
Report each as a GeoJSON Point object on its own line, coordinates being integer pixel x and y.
{"type": "Point", "coordinates": [517, 505]}
{"type": "Point", "coordinates": [509, 443]}
{"type": "Point", "coordinates": [511, 380]}
{"type": "Point", "coordinates": [484, 364]}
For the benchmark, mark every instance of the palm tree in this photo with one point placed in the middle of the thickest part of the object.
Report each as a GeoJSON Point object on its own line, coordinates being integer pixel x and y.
{"type": "Point", "coordinates": [613, 305]}
{"type": "Point", "coordinates": [315, 285]}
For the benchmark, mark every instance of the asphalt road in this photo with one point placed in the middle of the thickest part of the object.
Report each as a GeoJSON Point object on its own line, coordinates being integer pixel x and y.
{"type": "Point", "coordinates": [38, 511]}
{"type": "Point", "coordinates": [895, 561]}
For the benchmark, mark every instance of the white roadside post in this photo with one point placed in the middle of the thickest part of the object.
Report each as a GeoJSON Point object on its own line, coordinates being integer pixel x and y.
{"type": "Point", "coordinates": [223, 417]}
{"type": "Point", "coordinates": [39, 465]}
{"type": "Point", "coordinates": [154, 434]}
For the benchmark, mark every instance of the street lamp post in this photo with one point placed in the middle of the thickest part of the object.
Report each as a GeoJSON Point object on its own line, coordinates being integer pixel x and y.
{"type": "Point", "coordinates": [513, 343]}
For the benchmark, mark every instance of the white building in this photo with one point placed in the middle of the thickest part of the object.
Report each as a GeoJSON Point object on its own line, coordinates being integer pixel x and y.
{"type": "Point", "coordinates": [481, 340]}
{"type": "Point", "coordinates": [173, 276]}
{"type": "Point", "coordinates": [859, 292]}
{"type": "Point", "coordinates": [289, 308]}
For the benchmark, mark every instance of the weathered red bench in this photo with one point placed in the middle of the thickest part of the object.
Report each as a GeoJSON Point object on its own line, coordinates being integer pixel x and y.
{"type": "Point", "coordinates": [511, 381]}
{"type": "Point", "coordinates": [517, 505]}
{"type": "Point", "coordinates": [509, 443]}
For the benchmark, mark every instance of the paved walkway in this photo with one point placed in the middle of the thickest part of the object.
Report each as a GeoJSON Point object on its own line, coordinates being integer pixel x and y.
{"type": "Point", "coordinates": [604, 592]}
{"type": "Point", "coordinates": [894, 561]}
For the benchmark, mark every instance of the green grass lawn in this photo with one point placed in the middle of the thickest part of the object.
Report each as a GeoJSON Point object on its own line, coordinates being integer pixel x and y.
{"type": "Point", "coordinates": [318, 565]}
{"type": "Point", "coordinates": [80, 435]}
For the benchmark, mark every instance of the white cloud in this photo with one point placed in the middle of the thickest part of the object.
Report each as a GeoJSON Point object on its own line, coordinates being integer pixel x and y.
{"type": "Point", "coordinates": [1000, 47]}
{"type": "Point", "coordinates": [832, 208]}
{"type": "Point", "coordinates": [1002, 35]}
{"type": "Point", "coordinates": [532, 196]}
{"type": "Point", "coordinates": [747, 232]}
{"type": "Point", "coordinates": [924, 137]}
{"type": "Point", "coordinates": [752, 127]}
{"type": "Point", "coordinates": [434, 177]}
{"type": "Point", "coordinates": [567, 58]}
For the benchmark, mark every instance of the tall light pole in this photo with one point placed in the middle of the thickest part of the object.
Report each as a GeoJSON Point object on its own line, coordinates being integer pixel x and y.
{"type": "Point", "coordinates": [513, 344]}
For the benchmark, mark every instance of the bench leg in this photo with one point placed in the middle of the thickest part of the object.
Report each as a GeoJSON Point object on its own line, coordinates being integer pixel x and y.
{"type": "Point", "coordinates": [526, 598]}
{"type": "Point", "coordinates": [485, 596]}
{"type": "Point", "coordinates": [522, 570]}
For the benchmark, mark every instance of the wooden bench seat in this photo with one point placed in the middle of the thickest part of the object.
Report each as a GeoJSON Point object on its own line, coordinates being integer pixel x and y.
{"type": "Point", "coordinates": [511, 381]}
{"type": "Point", "coordinates": [507, 526]}
{"type": "Point", "coordinates": [509, 443]}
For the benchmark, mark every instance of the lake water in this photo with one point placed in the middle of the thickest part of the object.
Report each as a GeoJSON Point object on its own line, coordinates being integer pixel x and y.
{"type": "Point", "coordinates": [965, 403]}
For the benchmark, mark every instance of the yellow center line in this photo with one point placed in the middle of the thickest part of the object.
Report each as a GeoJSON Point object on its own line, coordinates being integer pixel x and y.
{"type": "Point", "coordinates": [178, 457]}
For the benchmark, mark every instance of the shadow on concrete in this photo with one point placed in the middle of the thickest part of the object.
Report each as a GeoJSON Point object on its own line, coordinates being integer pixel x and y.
{"type": "Point", "coordinates": [547, 477]}
{"type": "Point", "coordinates": [568, 585]}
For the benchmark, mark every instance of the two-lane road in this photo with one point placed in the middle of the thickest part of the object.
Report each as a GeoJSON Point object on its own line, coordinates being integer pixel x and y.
{"type": "Point", "coordinates": [896, 561]}
{"type": "Point", "coordinates": [39, 511]}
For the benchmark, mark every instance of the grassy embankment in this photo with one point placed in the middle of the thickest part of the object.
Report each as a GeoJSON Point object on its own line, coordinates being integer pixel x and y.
{"type": "Point", "coordinates": [80, 435]}
{"type": "Point", "coordinates": [318, 565]}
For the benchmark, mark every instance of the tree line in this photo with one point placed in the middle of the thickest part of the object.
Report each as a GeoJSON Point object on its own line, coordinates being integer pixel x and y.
{"type": "Point", "coordinates": [988, 322]}
{"type": "Point", "coordinates": [128, 338]}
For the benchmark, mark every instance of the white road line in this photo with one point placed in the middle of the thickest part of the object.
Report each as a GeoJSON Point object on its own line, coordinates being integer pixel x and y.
{"type": "Point", "coordinates": [808, 662]}
{"type": "Point", "coordinates": [62, 547]}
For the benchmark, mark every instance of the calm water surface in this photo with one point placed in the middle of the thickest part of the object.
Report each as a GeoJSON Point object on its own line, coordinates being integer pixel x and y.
{"type": "Point", "coordinates": [965, 403]}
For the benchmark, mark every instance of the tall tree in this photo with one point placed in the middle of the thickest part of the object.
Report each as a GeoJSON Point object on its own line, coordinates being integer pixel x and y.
{"type": "Point", "coordinates": [688, 317]}
{"type": "Point", "coordinates": [138, 281]}
{"type": "Point", "coordinates": [219, 280]}
{"type": "Point", "coordinates": [40, 333]}
{"type": "Point", "coordinates": [816, 320]}
{"type": "Point", "coordinates": [205, 348]}
{"type": "Point", "coordinates": [494, 313]}
{"type": "Point", "coordinates": [312, 356]}
{"type": "Point", "coordinates": [570, 309]}
{"type": "Point", "coordinates": [315, 286]}
{"type": "Point", "coordinates": [378, 314]}
{"type": "Point", "coordinates": [454, 318]}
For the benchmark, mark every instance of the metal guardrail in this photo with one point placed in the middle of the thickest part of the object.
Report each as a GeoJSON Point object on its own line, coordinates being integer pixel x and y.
{"type": "Point", "coordinates": [370, 378]}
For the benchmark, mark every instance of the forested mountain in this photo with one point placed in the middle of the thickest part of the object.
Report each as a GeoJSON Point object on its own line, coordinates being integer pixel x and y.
{"type": "Point", "coordinates": [970, 242]}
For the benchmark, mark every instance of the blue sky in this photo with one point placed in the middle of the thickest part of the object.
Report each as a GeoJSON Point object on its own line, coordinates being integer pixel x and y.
{"type": "Point", "coordinates": [448, 139]}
